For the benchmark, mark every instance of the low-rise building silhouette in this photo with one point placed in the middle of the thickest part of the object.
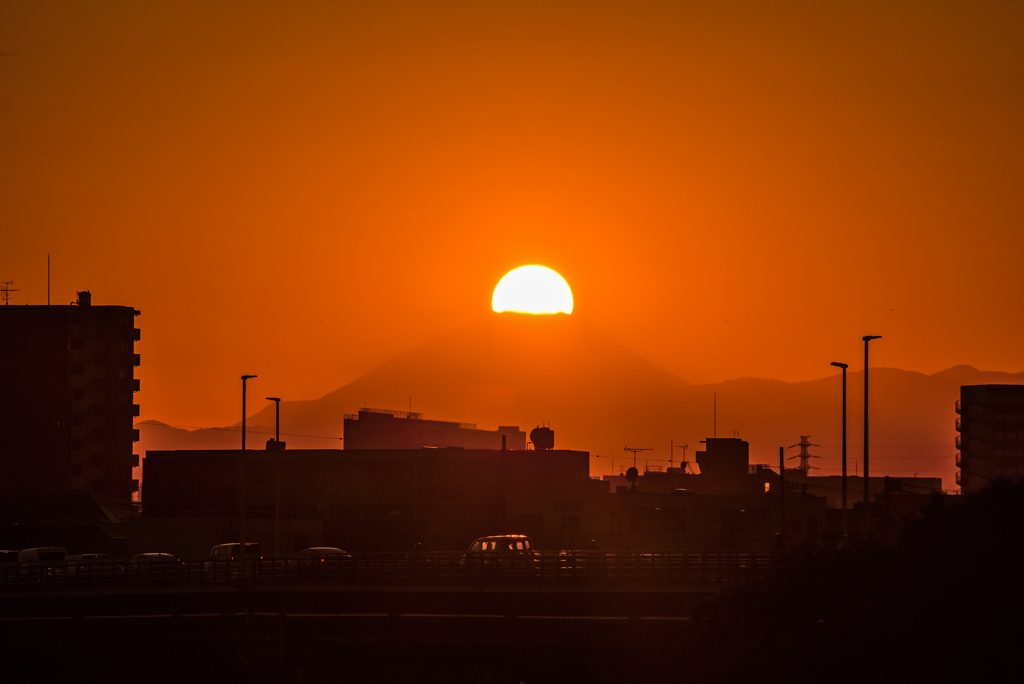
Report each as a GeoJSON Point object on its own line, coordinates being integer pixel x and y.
{"type": "Point", "coordinates": [813, 503]}
{"type": "Point", "coordinates": [724, 468]}
{"type": "Point", "coordinates": [442, 498]}
{"type": "Point", "coordinates": [366, 499]}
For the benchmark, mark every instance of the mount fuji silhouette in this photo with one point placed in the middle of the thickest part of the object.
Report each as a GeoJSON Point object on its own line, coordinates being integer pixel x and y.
{"type": "Point", "coordinates": [598, 396]}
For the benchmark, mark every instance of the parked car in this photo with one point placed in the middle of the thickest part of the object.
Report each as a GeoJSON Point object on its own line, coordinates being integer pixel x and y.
{"type": "Point", "coordinates": [234, 550]}
{"type": "Point", "coordinates": [227, 560]}
{"type": "Point", "coordinates": [322, 554]}
{"type": "Point", "coordinates": [324, 562]}
{"type": "Point", "coordinates": [153, 557]}
{"type": "Point", "coordinates": [9, 564]}
{"type": "Point", "coordinates": [88, 565]}
{"type": "Point", "coordinates": [155, 566]}
{"type": "Point", "coordinates": [503, 554]}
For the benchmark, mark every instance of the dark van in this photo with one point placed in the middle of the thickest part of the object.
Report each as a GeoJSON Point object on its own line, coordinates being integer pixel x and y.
{"type": "Point", "coordinates": [42, 554]}
{"type": "Point", "coordinates": [226, 560]}
{"type": "Point", "coordinates": [503, 554]}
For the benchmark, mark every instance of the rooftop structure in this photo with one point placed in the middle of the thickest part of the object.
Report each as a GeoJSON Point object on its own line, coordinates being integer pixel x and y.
{"type": "Point", "coordinates": [386, 429]}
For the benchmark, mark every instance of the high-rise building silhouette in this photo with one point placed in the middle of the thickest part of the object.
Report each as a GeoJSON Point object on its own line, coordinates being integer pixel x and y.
{"type": "Point", "coordinates": [991, 439]}
{"type": "Point", "coordinates": [66, 400]}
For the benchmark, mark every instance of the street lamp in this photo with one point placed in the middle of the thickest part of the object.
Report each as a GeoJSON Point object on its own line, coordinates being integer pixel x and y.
{"type": "Point", "coordinates": [244, 379]}
{"type": "Point", "coordinates": [845, 523]}
{"type": "Point", "coordinates": [241, 483]}
{"type": "Point", "coordinates": [277, 474]}
{"type": "Point", "coordinates": [277, 417]}
{"type": "Point", "coordinates": [867, 485]}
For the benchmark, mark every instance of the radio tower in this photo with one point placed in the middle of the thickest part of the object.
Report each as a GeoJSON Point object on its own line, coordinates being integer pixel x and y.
{"type": "Point", "coordinates": [804, 456]}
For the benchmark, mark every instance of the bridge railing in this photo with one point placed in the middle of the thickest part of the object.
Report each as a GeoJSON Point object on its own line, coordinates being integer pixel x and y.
{"type": "Point", "coordinates": [591, 568]}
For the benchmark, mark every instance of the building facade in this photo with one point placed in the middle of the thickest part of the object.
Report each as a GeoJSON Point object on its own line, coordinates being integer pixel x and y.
{"type": "Point", "coordinates": [67, 406]}
{"type": "Point", "coordinates": [991, 435]}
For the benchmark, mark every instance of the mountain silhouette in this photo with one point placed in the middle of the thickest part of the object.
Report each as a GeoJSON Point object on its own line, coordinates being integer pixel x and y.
{"type": "Point", "coordinates": [598, 396]}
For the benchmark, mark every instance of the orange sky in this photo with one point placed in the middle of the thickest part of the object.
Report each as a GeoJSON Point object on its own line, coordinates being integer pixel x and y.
{"type": "Point", "coordinates": [305, 190]}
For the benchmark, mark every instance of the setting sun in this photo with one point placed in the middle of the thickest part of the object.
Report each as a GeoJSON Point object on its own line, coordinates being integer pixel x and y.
{"type": "Point", "coordinates": [532, 289]}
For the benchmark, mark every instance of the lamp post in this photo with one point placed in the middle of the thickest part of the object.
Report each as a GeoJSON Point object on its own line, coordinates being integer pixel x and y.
{"type": "Point", "coordinates": [277, 417]}
{"type": "Point", "coordinates": [782, 499]}
{"type": "Point", "coordinates": [277, 474]}
{"type": "Point", "coordinates": [844, 366]}
{"type": "Point", "coordinates": [244, 379]}
{"type": "Point", "coordinates": [867, 485]}
{"type": "Point", "coordinates": [241, 482]}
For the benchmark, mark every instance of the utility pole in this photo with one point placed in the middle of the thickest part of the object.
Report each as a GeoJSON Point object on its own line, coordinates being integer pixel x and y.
{"type": "Point", "coordinates": [867, 483]}
{"type": "Point", "coordinates": [782, 496]}
{"type": "Point", "coordinates": [846, 526]}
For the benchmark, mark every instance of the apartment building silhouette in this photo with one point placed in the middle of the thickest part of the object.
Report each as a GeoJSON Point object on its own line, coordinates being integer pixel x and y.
{"type": "Point", "coordinates": [67, 406]}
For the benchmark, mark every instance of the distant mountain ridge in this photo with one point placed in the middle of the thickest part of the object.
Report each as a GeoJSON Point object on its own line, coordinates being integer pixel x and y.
{"type": "Point", "coordinates": [599, 397]}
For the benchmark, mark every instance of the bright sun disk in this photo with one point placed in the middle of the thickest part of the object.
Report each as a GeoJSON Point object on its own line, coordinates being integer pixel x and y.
{"type": "Point", "coordinates": [532, 289]}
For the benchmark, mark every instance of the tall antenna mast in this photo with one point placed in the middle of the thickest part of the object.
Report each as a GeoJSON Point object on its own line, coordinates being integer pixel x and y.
{"type": "Point", "coordinates": [6, 290]}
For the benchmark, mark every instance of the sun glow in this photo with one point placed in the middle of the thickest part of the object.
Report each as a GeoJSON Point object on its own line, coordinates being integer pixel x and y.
{"type": "Point", "coordinates": [532, 289]}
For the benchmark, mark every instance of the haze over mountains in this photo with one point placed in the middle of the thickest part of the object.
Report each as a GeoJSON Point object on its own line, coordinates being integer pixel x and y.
{"type": "Point", "coordinates": [598, 396]}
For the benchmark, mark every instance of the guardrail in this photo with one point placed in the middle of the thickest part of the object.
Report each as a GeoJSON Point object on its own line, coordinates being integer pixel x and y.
{"type": "Point", "coordinates": [554, 568]}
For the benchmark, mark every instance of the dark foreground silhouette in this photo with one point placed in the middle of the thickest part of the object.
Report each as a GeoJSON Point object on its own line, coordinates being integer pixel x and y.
{"type": "Point", "coordinates": [943, 603]}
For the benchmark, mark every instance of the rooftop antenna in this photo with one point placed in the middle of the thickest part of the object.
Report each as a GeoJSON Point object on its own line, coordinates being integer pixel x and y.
{"type": "Point", "coordinates": [714, 421]}
{"type": "Point", "coordinates": [634, 451]}
{"type": "Point", "coordinates": [672, 452]}
{"type": "Point", "coordinates": [6, 290]}
{"type": "Point", "coordinates": [632, 473]}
